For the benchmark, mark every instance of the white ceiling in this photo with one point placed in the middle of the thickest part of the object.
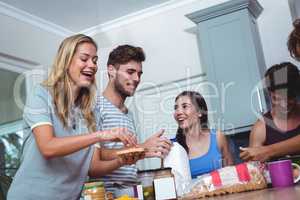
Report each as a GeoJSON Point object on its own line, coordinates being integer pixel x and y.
{"type": "Point", "coordinates": [78, 15]}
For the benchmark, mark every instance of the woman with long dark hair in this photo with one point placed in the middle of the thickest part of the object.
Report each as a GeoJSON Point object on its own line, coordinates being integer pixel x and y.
{"type": "Point", "coordinates": [206, 148]}
{"type": "Point", "coordinates": [282, 122]}
{"type": "Point", "coordinates": [277, 135]}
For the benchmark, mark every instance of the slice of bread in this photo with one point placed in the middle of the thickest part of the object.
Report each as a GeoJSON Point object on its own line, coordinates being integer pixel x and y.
{"type": "Point", "coordinates": [132, 150]}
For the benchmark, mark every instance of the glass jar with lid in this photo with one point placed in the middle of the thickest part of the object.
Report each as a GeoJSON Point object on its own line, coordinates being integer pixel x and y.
{"type": "Point", "coordinates": [164, 184]}
{"type": "Point", "coordinates": [146, 179]}
{"type": "Point", "coordinates": [94, 191]}
{"type": "Point", "coordinates": [163, 173]}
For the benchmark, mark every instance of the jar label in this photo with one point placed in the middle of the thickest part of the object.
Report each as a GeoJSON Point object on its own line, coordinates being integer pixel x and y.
{"type": "Point", "coordinates": [87, 197]}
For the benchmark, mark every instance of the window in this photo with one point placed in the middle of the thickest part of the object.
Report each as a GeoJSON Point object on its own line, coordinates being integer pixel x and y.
{"type": "Point", "coordinates": [13, 88]}
{"type": "Point", "coordinates": [11, 105]}
{"type": "Point", "coordinates": [10, 146]}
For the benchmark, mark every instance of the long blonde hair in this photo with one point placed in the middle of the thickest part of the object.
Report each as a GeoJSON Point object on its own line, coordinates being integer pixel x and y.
{"type": "Point", "coordinates": [59, 83]}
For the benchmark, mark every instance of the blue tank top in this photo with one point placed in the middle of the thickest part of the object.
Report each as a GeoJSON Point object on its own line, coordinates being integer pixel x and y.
{"type": "Point", "coordinates": [209, 161]}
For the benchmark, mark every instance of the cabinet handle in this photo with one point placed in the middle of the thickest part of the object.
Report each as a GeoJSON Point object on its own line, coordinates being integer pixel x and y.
{"type": "Point", "coordinates": [259, 100]}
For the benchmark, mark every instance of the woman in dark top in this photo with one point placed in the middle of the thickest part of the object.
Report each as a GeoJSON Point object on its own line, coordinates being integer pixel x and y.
{"type": "Point", "coordinates": [274, 134]}
{"type": "Point", "coordinates": [282, 122]}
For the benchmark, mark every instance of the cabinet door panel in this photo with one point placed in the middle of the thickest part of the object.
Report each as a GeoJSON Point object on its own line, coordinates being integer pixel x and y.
{"type": "Point", "coordinates": [229, 54]}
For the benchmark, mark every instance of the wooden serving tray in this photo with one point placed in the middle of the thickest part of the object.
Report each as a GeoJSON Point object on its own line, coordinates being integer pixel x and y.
{"type": "Point", "coordinates": [226, 190]}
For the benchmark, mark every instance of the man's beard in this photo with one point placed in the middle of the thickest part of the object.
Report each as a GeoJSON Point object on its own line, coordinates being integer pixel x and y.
{"type": "Point", "coordinates": [121, 90]}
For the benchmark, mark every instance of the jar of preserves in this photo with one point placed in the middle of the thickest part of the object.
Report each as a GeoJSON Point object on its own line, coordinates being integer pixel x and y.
{"type": "Point", "coordinates": [164, 184]}
{"type": "Point", "coordinates": [94, 191]}
{"type": "Point", "coordinates": [146, 178]}
{"type": "Point", "coordinates": [163, 173]}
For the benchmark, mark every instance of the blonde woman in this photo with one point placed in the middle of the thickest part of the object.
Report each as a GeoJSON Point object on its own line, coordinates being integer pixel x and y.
{"type": "Point", "coordinates": [61, 127]}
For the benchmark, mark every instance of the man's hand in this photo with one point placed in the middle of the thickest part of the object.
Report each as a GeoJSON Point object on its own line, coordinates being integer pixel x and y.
{"type": "Point", "coordinates": [261, 153]}
{"type": "Point", "coordinates": [157, 145]}
{"type": "Point", "coordinates": [118, 134]}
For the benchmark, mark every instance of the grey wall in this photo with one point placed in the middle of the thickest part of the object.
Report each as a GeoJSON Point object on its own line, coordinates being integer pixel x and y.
{"type": "Point", "coordinates": [25, 41]}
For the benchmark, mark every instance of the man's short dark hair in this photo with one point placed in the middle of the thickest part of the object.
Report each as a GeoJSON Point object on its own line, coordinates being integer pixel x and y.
{"type": "Point", "coordinates": [124, 54]}
{"type": "Point", "coordinates": [283, 76]}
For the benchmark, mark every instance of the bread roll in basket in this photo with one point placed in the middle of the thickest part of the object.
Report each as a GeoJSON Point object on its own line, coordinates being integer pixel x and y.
{"type": "Point", "coordinates": [232, 179]}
